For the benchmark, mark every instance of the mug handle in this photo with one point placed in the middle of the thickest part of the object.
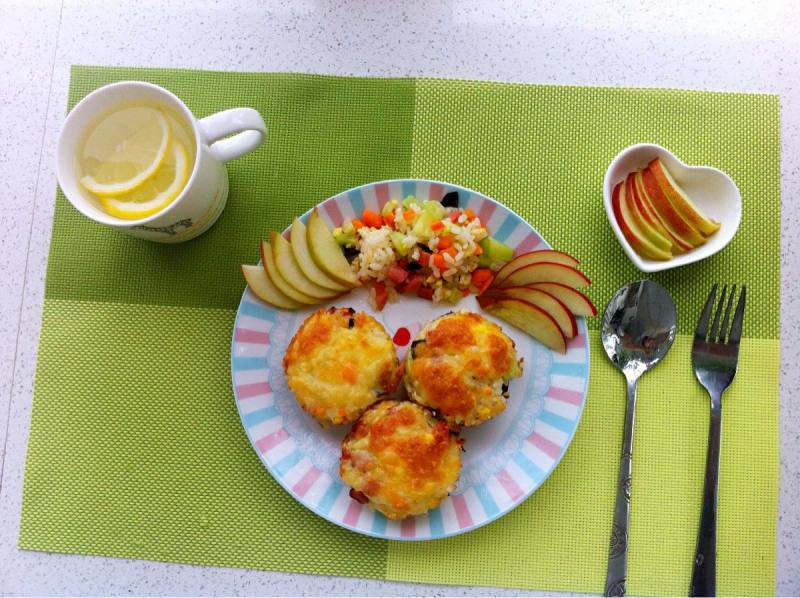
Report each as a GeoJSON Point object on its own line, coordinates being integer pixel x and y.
{"type": "Point", "coordinates": [245, 122]}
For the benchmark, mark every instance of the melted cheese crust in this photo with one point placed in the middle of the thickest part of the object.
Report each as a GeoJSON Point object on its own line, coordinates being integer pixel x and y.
{"type": "Point", "coordinates": [339, 363]}
{"type": "Point", "coordinates": [401, 458]}
{"type": "Point", "coordinates": [458, 366]}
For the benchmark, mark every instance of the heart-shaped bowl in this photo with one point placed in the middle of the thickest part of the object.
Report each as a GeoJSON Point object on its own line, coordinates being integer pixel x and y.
{"type": "Point", "coordinates": [713, 191]}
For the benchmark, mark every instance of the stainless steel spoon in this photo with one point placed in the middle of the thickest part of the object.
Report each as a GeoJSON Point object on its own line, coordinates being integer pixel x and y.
{"type": "Point", "coordinates": [638, 330]}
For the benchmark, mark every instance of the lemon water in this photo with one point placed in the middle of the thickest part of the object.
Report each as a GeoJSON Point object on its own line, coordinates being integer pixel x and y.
{"type": "Point", "coordinates": [135, 159]}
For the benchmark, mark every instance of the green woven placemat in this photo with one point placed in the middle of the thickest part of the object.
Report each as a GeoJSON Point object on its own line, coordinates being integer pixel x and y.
{"type": "Point", "coordinates": [136, 449]}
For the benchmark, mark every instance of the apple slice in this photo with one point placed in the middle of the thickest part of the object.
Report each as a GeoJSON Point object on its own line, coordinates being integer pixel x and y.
{"type": "Point", "coordinates": [262, 286]}
{"type": "Point", "coordinates": [578, 303]}
{"type": "Point", "coordinates": [629, 229]}
{"type": "Point", "coordinates": [648, 213]}
{"type": "Point", "coordinates": [290, 271]}
{"type": "Point", "coordinates": [670, 218]}
{"type": "Point", "coordinates": [533, 257]}
{"type": "Point", "coordinates": [545, 272]}
{"type": "Point", "coordinates": [554, 307]}
{"type": "Point", "coordinates": [680, 201]}
{"type": "Point", "coordinates": [663, 242]}
{"type": "Point", "coordinates": [301, 253]}
{"type": "Point", "coordinates": [327, 253]}
{"type": "Point", "coordinates": [678, 244]}
{"type": "Point", "coordinates": [530, 319]}
{"type": "Point", "coordinates": [268, 260]}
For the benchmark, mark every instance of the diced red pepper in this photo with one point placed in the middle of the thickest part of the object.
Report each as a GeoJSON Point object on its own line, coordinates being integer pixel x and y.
{"type": "Point", "coordinates": [409, 215]}
{"type": "Point", "coordinates": [425, 293]}
{"type": "Point", "coordinates": [469, 214]}
{"type": "Point", "coordinates": [389, 219]}
{"type": "Point", "coordinates": [414, 282]}
{"type": "Point", "coordinates": [437, 225]}
{"type": "Point", "coordinates": [397, 274]}
{"type": "Point", "coordinates": [464, 292]}
{"type": "Point", "coordinates": [371, 219]}
{"type": "Point", "coordinates": [481, 279]}
{"type": "Point", "coordinates": [424, 258]}
{"type": "Point", "coordinates": [357, 224]}
{"type": "Point", "coordinates": [402, 262]}
{"type": "Point", "coordinates": [381, 295]}
{"type": "Point", "coordinates": [445, 242]}
{"type": "Point", "coordinates": [454, 216]}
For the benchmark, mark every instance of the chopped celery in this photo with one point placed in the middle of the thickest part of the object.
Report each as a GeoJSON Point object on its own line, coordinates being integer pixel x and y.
{"type": "Point", "coordinates": [399, 243]}
{"type": "Point", "coordinates": [390, 206]}
{"type": "Point", "coordinates": [409, 201]}
{"type": "Point", "coordinates": [343, 238]}
{"type": "Point", "coordinates": [435, 208]}
{"type": "Point", "coordinates": [347, 227]}
{"type": "Point", "coordinates": [494, 252]}
{"type": "Point", "coordinates": [422, 227]}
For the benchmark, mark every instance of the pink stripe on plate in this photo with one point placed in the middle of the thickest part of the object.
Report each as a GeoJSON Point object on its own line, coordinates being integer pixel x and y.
{"type": "Point", "coordinates": [486, 211]}
{"type": "Point", "coordinates": [510, 486]}
{"type": "Point", "coordinates": [333, 211]}
{"type": "Point", "coordinates": [382, 194]}
{"type": "Point", "coordinates": [352, 514]}
{"type": "Point", "coordinates": [436, 192]}
{"type": "Point", "coordinates": [462, 511]}
{"type": "Point", "coordinates": [305, 483]}
{"type": "Point", "coordinates": [562, 394]}
{"type": "Point", "coordinates": [270, 441]}
{"type": "Point", "coordinates": [256, 389]}
{"type": "Point", "coordinates": [529, 243]}
{"type": "Point", "coordinates": [243, 335]}
{"type": "Point", "coordinates": [408, 527]}
{"type": "Point", "coordinates": [576, 342]}
{"type": "Point", "coordinates": [548, 447]}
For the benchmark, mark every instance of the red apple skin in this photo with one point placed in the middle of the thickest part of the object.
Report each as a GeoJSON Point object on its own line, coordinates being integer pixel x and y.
{"type": "Point", "coordinates": [530, 319]}
{"type": "Point", "coordinates": [680, 201]}
{"type": "Point", "coordinates": [638, 244]}
{"type": "Point", "coordinates": [671, 218]}
{"type": "Point", "coordinates": [678, 244]}
{"type": "Point", "coordinates": [532, 257]}
{"type": "Point", "coordinates": [545, 272]}
{"type": "Point", "coordinates": [578, 303]}
{"type": "Point", "coordinates": [650, 228]}
{"type": "Point", "coordinates": [563, 316]}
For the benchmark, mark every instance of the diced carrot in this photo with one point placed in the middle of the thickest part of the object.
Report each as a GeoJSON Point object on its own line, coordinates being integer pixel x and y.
{"type": "Point", "coordinates": [425, 293]}
{"type": "Point", "coordinates": [437, 225]}
{"type": "Point", "coordinates": [371, 219]}
{"type": "Point", "coordinates": [454, 216]}
{"type": "Point", "coordinates": [413, 283]}
{"type": "Point", "coordinates": [439, 262]}
{"type": "Point", "coordinates": [409, 215]}
{"type": "Point", "coordinates": [381, 295]}
{"type": "Point", "coordinates": [469, 214]}
{"type": "Point", "coordinates": [357, 224]}
{"type": "Point", "coordinates": [424, 258]}
{"type": "Point", "coordinates": [445, 241]}
{"type": "Point", "coordinates": [481, 279]}
{"type": "Point", "coordinates": [389, 219]}
{"type": "Point", "coordinates": [478, 250]}
{"type": "Point", "coordinates": [451, 251]}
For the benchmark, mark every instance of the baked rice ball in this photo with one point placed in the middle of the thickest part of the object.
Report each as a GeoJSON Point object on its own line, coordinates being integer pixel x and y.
{"type": "Point", "coordinates": [460, 365]}
{"type": "Point", "coordinates": [339, 363]}
{"type": "Point", "coordinates": [400, 459]}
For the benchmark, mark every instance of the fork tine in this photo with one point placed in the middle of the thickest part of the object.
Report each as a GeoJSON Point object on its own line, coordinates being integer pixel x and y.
{"type": "Point", "coordinates": [712, 336]}
{"type": "Point", "coordinates": [738, 317]}
{"type": "Point", "coordinates": [702, 323]}
{"type": "Point", "coordinates": [724, 327]}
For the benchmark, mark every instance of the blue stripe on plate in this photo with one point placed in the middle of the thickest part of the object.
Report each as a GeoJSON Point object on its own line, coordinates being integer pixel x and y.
{"type": "Point", "coordinates": [409, 188]}
{"type": "Point", "coordinates": [487, 501]}
{"type": "Point", "coordinates": [558, 422]}
{"type": "Point", "coordinates": [249, 363]}
{"type": "Point", "coordinates": [435, 522]}
{"type": "Point", "coordinates": [329, 498]}
{"type": "Point", "coordinates": [577, 370]}
{"type": "Point", "coordinates": [256, 417]}
{"type": "Point", "coordinates": [248, 308]}
{"type": "Point", "coordinates": [357, 201]}
{"type": "Point", "coordinates": [379, 524]}
{"type": "Point", "coordinates": [528, 467]}
{"type": "Point", "coordinates": [289, 461]}
{"type": "Point", "coordinates": [505, 229]}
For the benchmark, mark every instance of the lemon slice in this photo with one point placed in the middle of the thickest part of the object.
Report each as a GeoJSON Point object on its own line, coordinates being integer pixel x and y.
{"type": "Point", "coordinates": [155, 193]}
{"type": "Point", "coordinates": [124, 150]}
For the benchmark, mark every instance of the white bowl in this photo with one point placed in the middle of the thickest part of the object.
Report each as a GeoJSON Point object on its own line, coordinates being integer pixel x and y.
{"type": "Point", "coordinates": [712, 190]}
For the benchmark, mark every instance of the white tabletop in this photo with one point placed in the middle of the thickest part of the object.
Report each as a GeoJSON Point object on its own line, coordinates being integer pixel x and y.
{"type": "Point", "coordinates": [728, 45]}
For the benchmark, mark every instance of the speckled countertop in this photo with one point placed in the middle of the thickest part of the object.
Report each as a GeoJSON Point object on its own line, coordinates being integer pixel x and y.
{"type": "Point", "coordinates": [726, 45]}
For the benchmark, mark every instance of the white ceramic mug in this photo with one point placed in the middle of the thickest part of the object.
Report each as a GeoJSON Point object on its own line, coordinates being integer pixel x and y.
{"type": "Point", "coordinates": [203, 198]}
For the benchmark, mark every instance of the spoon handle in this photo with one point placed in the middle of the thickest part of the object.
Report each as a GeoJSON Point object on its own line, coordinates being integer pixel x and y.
{"type": "Point", "coordinates": [618, 546]}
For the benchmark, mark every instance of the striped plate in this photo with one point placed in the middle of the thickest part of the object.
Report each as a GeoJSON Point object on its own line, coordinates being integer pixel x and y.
{"type": "Point", "coordinates": [505, 460]}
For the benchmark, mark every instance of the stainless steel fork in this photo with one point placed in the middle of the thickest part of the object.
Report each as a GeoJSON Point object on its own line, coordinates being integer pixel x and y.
{"type": "Point", "coordinates": [715, 356]}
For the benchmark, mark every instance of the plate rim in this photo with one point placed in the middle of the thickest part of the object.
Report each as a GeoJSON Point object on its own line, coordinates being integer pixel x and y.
{"type": "Point", "coordinates": [582, 325]}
